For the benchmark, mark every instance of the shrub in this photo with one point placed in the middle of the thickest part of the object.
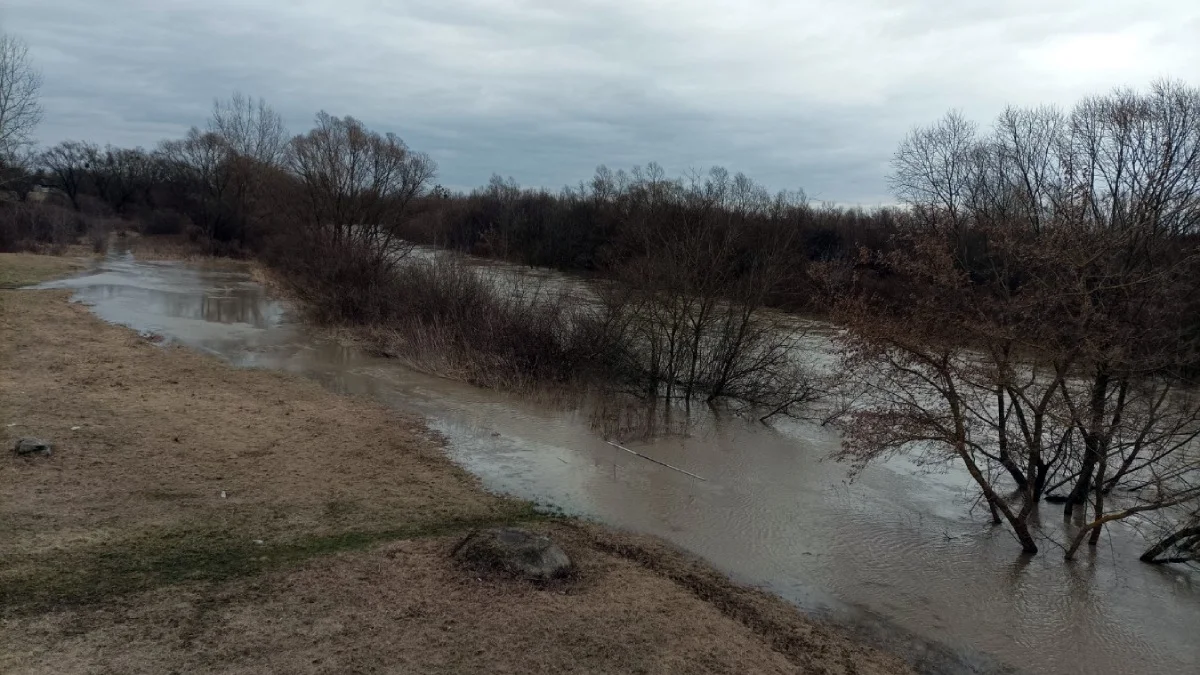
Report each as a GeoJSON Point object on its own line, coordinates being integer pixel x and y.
{"type": "Point", "coordinates": [33, 226]}
{"type": "Point", "coordinates": [340, 284]}
{"type": "Point", "coordinates": [164, 222]}
{"type": "Point", "coordinates": [442, 315]}
{"type": "Point", "coordinates": [509, 337]}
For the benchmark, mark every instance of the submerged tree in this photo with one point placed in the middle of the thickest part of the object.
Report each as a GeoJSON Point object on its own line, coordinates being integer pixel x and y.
{"type": "Point", "coordinates": [705, 259]}
{"type": "Point", "coordinates": [1048, 337]}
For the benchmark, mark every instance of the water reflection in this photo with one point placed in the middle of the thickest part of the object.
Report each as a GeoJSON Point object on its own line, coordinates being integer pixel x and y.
{"type": "Point", "coordinates": [899, 546]}
{"type": "Point", "coordinates": [237, 307]}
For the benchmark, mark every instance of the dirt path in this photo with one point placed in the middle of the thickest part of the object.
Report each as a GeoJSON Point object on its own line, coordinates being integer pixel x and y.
{"type": "Point", "coordinates": [197, 518]}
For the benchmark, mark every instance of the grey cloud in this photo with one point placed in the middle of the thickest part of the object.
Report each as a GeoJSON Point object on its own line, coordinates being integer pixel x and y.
{"type": "Point", "coordinates": [809, 94]}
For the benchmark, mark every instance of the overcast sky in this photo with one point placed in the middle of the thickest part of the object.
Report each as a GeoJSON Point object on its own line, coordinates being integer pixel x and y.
{"type": "Point", "coordinates": [811, 94]}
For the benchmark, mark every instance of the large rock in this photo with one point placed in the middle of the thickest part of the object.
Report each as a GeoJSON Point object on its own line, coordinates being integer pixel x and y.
{"type": "Point", "coordinates": [32, 446]}
{"type": "Point", "coordinates": [514, 551]}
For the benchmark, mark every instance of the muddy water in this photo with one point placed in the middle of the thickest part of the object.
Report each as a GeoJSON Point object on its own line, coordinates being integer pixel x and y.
{"type": "Point", "coordinates": [897, 554]}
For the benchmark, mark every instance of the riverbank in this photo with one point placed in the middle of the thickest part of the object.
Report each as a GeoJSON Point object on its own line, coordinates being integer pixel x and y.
{"type": "Point", "coordinates": [22, 269]}
{"type": "Point", "coordinates": [196, 516]}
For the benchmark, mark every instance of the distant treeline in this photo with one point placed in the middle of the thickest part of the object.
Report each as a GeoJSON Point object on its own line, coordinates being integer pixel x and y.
{"type": "Point", "coordinates": [199, 186]}
{"type": "Point", "coordinates": [601, 225]}
{"type": "Point", "coordinates": [1031, 311]}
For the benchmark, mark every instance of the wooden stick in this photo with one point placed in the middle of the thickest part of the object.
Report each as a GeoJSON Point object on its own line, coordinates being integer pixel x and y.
{"type": "Point", "coordinates": [651, 459]}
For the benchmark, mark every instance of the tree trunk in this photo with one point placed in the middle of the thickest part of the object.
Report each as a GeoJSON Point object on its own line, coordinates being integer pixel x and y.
{"type": "Point", "coordinates": [1019, 525]}
{"type": "Point", "coordinates": [1006, 459]}
{"type": "Point", "coordinates": [1039, 481]}
{"type": "Point", "coordinates": [1095, 537]}
{"type": "Point", "coordinates": [996, 519]}
{"type": "Point", "coordinates": [1021, 528]}
{"type": "Point", "coordinates": [1091, 440]}
{"type": "Point", "coordinates": [1152, 554]}
{"type": "Point", "coordinates": [1083, 484]}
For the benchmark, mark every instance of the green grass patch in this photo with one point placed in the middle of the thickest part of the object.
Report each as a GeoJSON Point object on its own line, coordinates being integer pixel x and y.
{"type": "Point", "coordinates": [154, 559]}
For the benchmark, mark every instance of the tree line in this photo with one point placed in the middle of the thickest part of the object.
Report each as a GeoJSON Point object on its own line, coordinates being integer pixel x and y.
{"type": "Point", "coordinates": [1029, 312]}
{"type": "Point", "coordinates": [598, 225]}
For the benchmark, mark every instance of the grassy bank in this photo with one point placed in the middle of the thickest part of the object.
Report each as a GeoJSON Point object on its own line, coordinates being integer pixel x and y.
{"type": "Point", "coordinates": [197, 517]}
{"type": "Point", "coordinates": [23, 269]}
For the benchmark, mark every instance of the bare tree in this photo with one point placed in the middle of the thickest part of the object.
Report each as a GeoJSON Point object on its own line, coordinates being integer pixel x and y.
{"type": "Point", "coordinates": [121, 174]}
{"type": "Point", "coordinates": [70, 165]}
{"type": "Point", "coordinates": [201, 169]}
{"type": "Point", "coordinates": [358, 184]}
{"type": "Point", "coordinates": [691, 300]}
{"type": "Point", "coordinates": [1136, 158]}
{"type": "Point", "coordinates": [939, 382]}
{"type": "Point", "coordinates": [1178, 545]}
{"type": "Point", "coordinates": [1047, 333]}
{"type": "Point", "coordinates": [251, 128]}
{"type": "Point", "coordinates": [20, 171]}
{"type": "Point", "coordinates": [256, 141]}
{"type": "Point", "coordinates": [934, 168]}
{"type": "Point", "coordinates": [1022, 177]}
{"type": "Point", "coordinates": [20, 85]}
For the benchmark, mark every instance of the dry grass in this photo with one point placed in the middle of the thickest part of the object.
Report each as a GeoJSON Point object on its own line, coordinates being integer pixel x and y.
{"type": "Point", "coordinates": [23, 269]}
{"type": "Point", "coordinates": [401, 608]}
{"type": "Point", "coordinates": [328, 551]}
{"type": "Point", "coordinates": [162, 247]}
{"type": "Point", "coordinates": [148, 438]}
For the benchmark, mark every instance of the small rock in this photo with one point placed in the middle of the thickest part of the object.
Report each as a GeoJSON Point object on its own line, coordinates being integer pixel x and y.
{"type": "Point", "coordinates": [514, 551]}
{"type": "Point", "coordinates": [32, 446]}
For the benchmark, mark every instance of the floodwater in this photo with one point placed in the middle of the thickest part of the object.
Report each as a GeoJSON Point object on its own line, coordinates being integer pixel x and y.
{"type": "Point", "coordinates": [898, 554]}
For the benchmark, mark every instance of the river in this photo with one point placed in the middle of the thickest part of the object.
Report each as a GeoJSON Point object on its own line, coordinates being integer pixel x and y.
{"type": "Point", "coordinates": [897, 554]}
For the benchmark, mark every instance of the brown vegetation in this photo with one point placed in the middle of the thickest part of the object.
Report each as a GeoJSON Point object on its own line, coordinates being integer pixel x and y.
{"type": "Point", "coordinates": [1048, 340]}
{"type": "Point", "coordinates": [199, 517]}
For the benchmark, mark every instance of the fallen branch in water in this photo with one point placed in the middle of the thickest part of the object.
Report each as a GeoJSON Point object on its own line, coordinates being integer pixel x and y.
{"type": "Point", "coordinates": [651, 459]}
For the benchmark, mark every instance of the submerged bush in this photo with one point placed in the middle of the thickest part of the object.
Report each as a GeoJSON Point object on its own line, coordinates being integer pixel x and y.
{"type": "Point", "coordinates": [440, 314]}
